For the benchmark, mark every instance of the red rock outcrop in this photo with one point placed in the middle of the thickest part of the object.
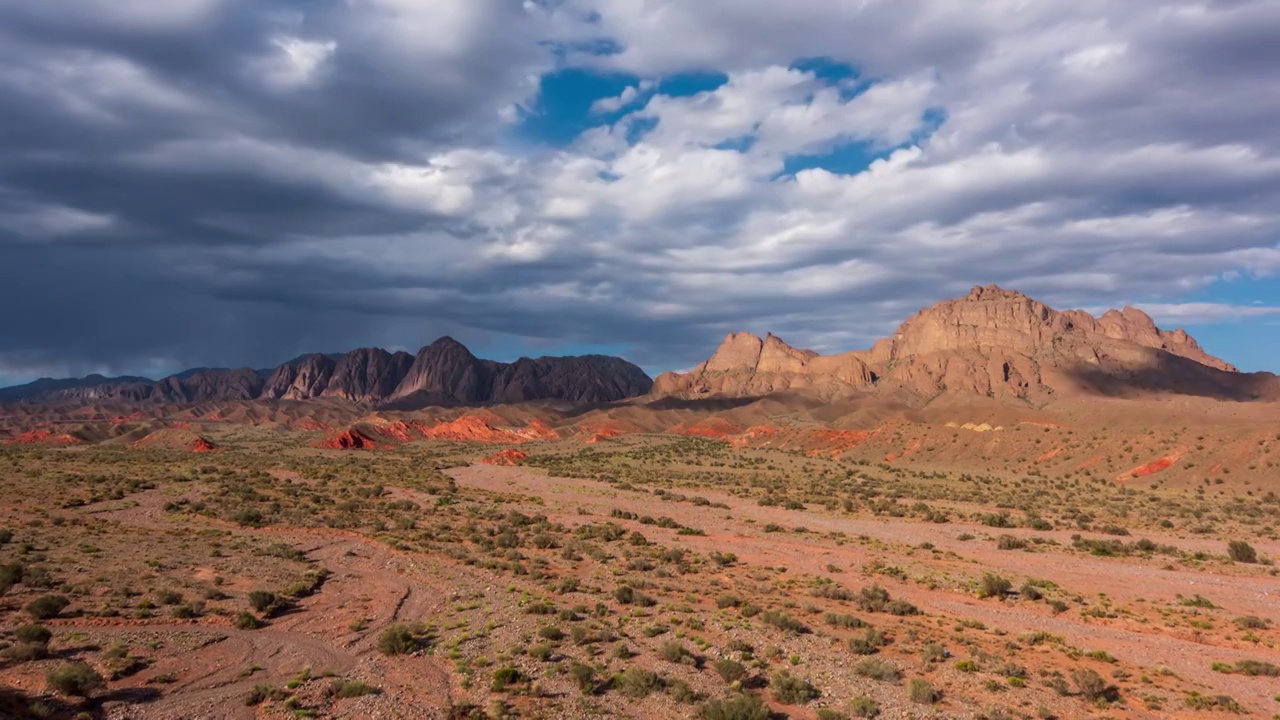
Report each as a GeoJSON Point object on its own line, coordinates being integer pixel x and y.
{"type": "Point", "coordinates": [350, 439]}
{"type": "Point", "coordinates": [608, 427]}
{"type": "Point", "coordinates": [506, 458]}
{"type": "Point", "coordinates": [174, 438]}
{"type": "Point", "coordinates": [44, 436]}
{"type": "Point", "coordinates": [1153, 467]}
{"type": "Point", "coordinates": [713, 428]}
{"type": "Point", "coordinates": [538, 430]}
{"type": "Point", "coordinates": [471, 428]}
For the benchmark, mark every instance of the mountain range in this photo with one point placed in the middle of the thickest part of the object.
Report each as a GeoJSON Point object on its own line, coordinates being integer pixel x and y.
{"type": "Point", "coordinates": [993, 343]}
{"type": "Point", "coordinates": [442, 373]}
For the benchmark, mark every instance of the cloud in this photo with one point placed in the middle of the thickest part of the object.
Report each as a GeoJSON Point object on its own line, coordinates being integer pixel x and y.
{"type": "Point", "coordinates": [1203, 313]}
{"type": "Point", "coordinates": [228, 182]}
{"type": "Point", "coordinates": [629, 95]}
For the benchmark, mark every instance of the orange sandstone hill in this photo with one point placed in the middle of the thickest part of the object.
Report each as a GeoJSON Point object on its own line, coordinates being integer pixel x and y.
{"type": "Point", "coordinates": [992, 342]}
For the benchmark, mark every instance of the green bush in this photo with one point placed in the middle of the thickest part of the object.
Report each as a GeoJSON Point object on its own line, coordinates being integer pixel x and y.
{"type": "Point", "coordinates": [47, 606]}
{"type": "Point", "coordinates": [1009, 542]}
{"type": "Point", "coordinates": [1252, 668]}
{"type": "Point", "coordinates": [728, 600]}
{"type": "Point", "coordinates": [876, 599]}
{"type": "Point", "coordinates": [168, 597]}
{"type": "Point", "coordinates": [246, 621]}
{"type": "Point", "coordinates": [738, 707]}
{"type": "Point", "coordinates": [261, 693]}
{"type": "Point", "coordinates": [399, 640]}
{"type": "Point", "coordinates": [869, 644]}
{"type": "Point", "coordinates": [993, 585]}
{"type": "Point", "coordinates": [584, 677]}
{"type": "Point", "coordinates": [345, 689]}
{"type": "Point", "coordinates": [76, 679]}
{"type": "Point", "coordinates": [730, 670]}
{"type": "Point", "coordinates": [878, 670]}
{"type": "Point", "coordinates": [1091, 685]}
{"type": "Point", "coordinates": [843, 620]}
{"type": "Point", "coordinates": [10, 575]}
{"type": "Point", "coordinates": [791, 690]}
{"type": "Point", "coordinates": [25, 652]}
{"type": "Point", "coordinates": [261, 600]}
{"type": "Point", "coordinates": [680, 691]}
{"type": "Point", "coordinates": [1242, 552]}
{"type": "Point", "coordinates": [784, 621]}
{"type": "Point", "coordinates": [864, 707]}
{"type": "Point", "coordinates": [628, 595]}
{"type": "Point", "coordinates": [505, 677]}
{"type": "Point", "coordinates": [37, 634]}
{"type": "Point", "coordinates": [934, 652]}
{"type": "Point", "coordinates": [636, 682]}
{"type": "Point", "coordinates": [542, 651]}
{"type": "Point", "coordinates": [1196, 701]}
{"type": "Point", "coordinates": [922, 692]}
{"type": "Point", "coordinates": [674, 652]}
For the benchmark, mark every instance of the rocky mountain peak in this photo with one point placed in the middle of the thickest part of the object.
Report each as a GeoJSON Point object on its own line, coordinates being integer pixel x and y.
{"type": "Point", "coordinates": [992, 341]}
{"type": "Point", "coordinates": [739, 350]}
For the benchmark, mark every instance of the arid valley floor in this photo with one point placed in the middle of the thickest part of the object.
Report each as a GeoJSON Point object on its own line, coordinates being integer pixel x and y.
{"type": "Point", "coordinates": [643, 575]}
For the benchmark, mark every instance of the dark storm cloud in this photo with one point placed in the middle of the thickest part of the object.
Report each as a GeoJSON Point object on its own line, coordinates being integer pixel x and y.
{"type": "Point", "coordinates": [233, 182]}
{"type": "Point", "coordinates": [91, 90]}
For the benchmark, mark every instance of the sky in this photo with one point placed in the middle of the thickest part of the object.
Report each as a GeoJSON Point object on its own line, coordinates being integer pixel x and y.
{"type": "Point", "coordinates": [236, 182]}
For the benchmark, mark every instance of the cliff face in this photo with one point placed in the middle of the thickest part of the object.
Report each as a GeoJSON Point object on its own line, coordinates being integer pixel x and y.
{"type": "Point", "coordinates": [992, 342]}
{"type": "Point", "coordinates": [368, 375]}
{"type": "Point", "coordinates": [447, 372]}
{"type": "Point", "coordinates": [444, 372]}
{"type": "Point", "coordinates": [749, 366]}
{"type": "Point", "coordinates": [300, 379]}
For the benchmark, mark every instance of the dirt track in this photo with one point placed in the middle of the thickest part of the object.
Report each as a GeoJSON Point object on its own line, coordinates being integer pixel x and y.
{"type": "Point", "coordinates": [369, 580]}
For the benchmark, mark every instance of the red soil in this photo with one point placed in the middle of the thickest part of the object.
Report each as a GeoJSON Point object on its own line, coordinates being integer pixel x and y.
{"type": "Point", "coordinates": [1153, 467]}
{"type": "Point", "coordinates": [400, 430]}
{"type": "Point", "coordinates": [838, 441]}
{"type": "Point", "coordinates": [175, 439]}
{"type": "Point", "coordinates": [713, 428]}
{"type": "Point", "coordinates": [350, 439]}
{"type": "Point", "coordinates": [756, 436]}
{"type": "Point", "coordinates": [507, 458]}
{"type": "Point", "coordinates": [1049, 455]}
{"type": "Point", "coordinates": [471, 428]}
{"type": "Point", "coordinates": [538, 430]}
{"type": "Point", "coordinates": [608, 428]}
{"type": "Point", "coordinates": [911, 447]}
{"type": "Point", "coordinates": [43, 436]}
